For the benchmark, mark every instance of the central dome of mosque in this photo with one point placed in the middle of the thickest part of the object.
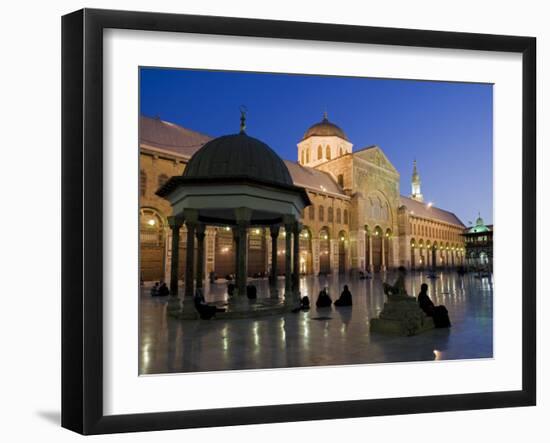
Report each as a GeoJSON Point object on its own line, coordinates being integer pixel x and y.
{"type": "Point", "coordinates": [325, 128]}
{"type": "Point", "coordinates": [238, 156]}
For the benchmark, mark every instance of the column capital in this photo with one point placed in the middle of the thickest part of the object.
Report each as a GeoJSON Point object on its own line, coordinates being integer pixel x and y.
{"type": "Point", "coordinates": [200, 230]}
{"type": "Point", "coordinates": [176, 221]}
{"type": "Point", "coordinates": [191, 216]}
{"type": "Point", "coordinates": [274, 230]}
{"type": "Point", "coordinates": [288, 221]}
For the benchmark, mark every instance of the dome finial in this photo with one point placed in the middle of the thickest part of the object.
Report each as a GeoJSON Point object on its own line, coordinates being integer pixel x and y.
{"type": "Point", "coordinates": [325, 115]}
{"type": "Point", "coordinates": [243, 118]}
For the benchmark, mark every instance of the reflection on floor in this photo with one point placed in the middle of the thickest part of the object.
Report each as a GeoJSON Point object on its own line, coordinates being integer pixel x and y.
{"type": "Point", "coordinates": [324, 336]}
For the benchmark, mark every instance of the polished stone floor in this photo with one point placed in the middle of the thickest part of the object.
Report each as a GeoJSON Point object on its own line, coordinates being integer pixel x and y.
{"type": "Point", "coordinates": [324, 336]}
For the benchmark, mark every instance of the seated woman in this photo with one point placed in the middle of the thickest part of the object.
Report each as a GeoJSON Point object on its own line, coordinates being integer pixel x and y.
{"type": "Point", "coordinates": [206, 311]}
{"type": "Point", "coordinates": [439, 314]}
{"type": "Point", "coordinates": [323, 300]}
{"type": "Point", "coordinates": [345, 298]}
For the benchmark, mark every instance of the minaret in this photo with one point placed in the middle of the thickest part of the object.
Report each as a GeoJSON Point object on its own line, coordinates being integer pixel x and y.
{"type": "Point", "coordinates": [415, 185]}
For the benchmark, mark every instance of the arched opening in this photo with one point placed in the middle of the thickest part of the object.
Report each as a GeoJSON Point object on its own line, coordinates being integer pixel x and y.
{"type": "Point", "coordinates": [152, 244]}
{"type": "Point", "coordinates": [414, 247]}
{"type": "Point", "coordinates": [319, 152]}
{"type": "Point", "coordinates": [421, 254]}
{"type": "Point", "coordinates": [437, 255]}
{"type": "Point", "coordinates": [377, 239]}
{"type": "Point", "coordinates": [342, 249]}
{"type": "Point", "coordinates": [328, 156]}
{"type": "Point", "coordinates": [388, 248]}
{"type": "Point", "coordinates": [257, 253]}
{"type": "Point", "coordinates": [307, 155]}
{"type": "Point", "coordinates": [306, 256]}
{"type": "Point", "coordinates": [224, 255]}
{"type": "Point", "coordinates": [324, 251]}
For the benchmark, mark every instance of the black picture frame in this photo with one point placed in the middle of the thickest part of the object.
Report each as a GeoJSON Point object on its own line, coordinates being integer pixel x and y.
{"type": "Point", "coordinates": [82, 190]}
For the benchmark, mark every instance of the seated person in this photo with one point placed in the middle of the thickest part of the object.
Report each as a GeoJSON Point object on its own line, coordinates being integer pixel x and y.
{"type": "Point", "coordinates": [304, 303]}
{"type": "Point", "coordinates": [251, 292]}
{"type": "Point", "coordinates": [439, 314]}
{"type": "Point", "coordinates": [323, 300]}
{"type": "Point", "coordinates": [345, 298]}
{"type": "Point", "coordinates": [230, 289]}
{"type": "Point", "coordinates": [163, 290]}
{"type": "Point", "coordinates": [398, 287]}
{"type": "Point", "coordinates": [206, 311]}
{"type": "Point", "coordinates": [155, 289]}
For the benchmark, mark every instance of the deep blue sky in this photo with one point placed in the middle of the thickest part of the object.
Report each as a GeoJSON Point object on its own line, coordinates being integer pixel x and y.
{"type": "Point", "coordinates": [447, 127]}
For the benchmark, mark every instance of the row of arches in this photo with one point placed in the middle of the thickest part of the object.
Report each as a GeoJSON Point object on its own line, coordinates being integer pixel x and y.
{"type": "Point", "coordinates": [154, 248]}
{"type": "Point", "coordinates": [328, 214]}
{"type": "Point", "coordinates": [425, 253]}
{"type": "Point", "coordinates": [322, 153]}
{"type": "Point", "coordinates": [143, 182]}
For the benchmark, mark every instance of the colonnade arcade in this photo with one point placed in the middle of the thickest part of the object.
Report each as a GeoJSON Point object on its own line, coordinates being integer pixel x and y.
{"type": "Point", "coordinates": [427, 254]}
{"type": "Point", "coordinates": [378, 248]}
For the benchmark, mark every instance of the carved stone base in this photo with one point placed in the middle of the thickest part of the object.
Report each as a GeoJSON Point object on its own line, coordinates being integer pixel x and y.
{"type": "Point", "coordinates": [401, 316]}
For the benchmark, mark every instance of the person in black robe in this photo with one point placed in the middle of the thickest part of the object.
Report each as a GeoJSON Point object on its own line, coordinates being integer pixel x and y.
{"type": "Point", "coordinates": [163, 290]}
{"type": "Point", "coordinates": [206, 311]}
{"type": "Point", "coordinates": [324, 299]}
{"type": "Point", "coordinates": [155, 289]}
{"type": "Point", "coordinates": [439, 314]}
{"type": "Point", "coordinates": [345, 298]}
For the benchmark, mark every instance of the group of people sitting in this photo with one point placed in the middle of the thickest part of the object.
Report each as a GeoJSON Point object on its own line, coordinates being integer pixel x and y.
{"type": "Point", "coordinates": [159, 289]}
{"type": "Point", "coordinates": [324, 299]}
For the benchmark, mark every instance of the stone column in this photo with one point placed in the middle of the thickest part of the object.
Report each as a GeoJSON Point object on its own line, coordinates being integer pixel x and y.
{"type": "Point", "coordinates": [434, 257]}
{"type": "Point", "coordinates": [200, 254]}
{"type": "Point", "coordinates": [296, 257]}
{"type": "Point", "coordinates": [370, 269]}
{"type": "Point", "coordinates": [334, 256]}
{"type": "Point", "coordinates": [289, 222]}
{"type": "Point", "coordinates": [274, 232]}
{"type": "Point", "coordinates": [242, 216]}
{"type": "Point", "coordinates": [189, 264]}
{"type": "Point", "coordinates": [175, 223]}
{"type": "Point", "coordinates": [315, 251]}
{"type": "Point", "coordinates": [383, 252]}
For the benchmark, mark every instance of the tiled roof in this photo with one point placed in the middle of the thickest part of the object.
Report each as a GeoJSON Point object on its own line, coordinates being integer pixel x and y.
{"type": "Point", "coordinates": [423, 210]}
{"type": "Point", "coordinates": [169, 136]}
{"type": "Point", "coordinates": [313, 179]}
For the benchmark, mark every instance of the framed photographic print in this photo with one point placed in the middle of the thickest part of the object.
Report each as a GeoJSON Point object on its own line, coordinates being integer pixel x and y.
{"type": "Point", "coordinates": [269, 221]}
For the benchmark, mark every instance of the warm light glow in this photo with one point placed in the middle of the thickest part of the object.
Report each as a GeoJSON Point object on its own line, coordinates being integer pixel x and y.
{"type": "Point", "coordinates": [256, 231]}
{"type": "Point", "coordinates": [325, 237]}
{"type": "Point", "coordinates": [429, 205]}
{"type": "Point", "coordinates": [342, 238]}
{"type": "Point", "coordinates": [227, 228]}
{"type": "Point", "coordinates": [151, 222]}
{"type": "Point", "coordinates": [224, 250]}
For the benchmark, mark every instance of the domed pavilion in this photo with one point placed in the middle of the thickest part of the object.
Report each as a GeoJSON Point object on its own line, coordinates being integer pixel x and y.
{"type": "Point", "coordinates": [234, 181]}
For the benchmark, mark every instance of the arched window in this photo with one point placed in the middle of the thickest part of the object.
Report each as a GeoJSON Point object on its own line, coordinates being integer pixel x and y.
{"type": "Point", "coordinates": [341, 152]}
{"type": "Point", "coordinates": [328, 152]}
{"type": "Point", "coordinates": [319, 152]}
{"type": "Point", "coordinates": [312, 212]}
{"type": "Point", "coordinates": [142, 182]}
{"type": "Point", "coordinates": [307, 155]}
{"type": "Point", "coordinates": [330, 214]}
{"type": "Point", "coordinates": [346, 217]}
{"type": "Point", "coordinates": [341, 180]}
{"type": "Point", "coordinates": [303, 157]}
{"type": "Point", "coordinates": [151, 231]}
{"type": "Point", "coordinates": [338, 216]}
{"type": "Point", "coordinates": [321, 213]}
{"type": "Point", "coordinates": [163, 178]}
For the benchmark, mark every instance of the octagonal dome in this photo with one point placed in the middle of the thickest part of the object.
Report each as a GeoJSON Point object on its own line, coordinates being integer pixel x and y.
{"type": "Point", "coordinates": [238, 155]}
{"type": "Point", "coordinates": [325, 128]}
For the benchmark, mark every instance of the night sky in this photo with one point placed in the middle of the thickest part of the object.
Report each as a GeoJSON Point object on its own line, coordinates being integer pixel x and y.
{"type": "Point", "coordinates": [447, 127]}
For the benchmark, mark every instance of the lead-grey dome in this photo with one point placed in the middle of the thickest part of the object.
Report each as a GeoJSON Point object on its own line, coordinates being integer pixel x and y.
{"type": "Point", "coordinates": [238, 155]}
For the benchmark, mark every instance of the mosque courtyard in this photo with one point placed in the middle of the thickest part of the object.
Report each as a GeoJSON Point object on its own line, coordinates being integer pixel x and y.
{"type": "Point", "coordinates": [320, 336]}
